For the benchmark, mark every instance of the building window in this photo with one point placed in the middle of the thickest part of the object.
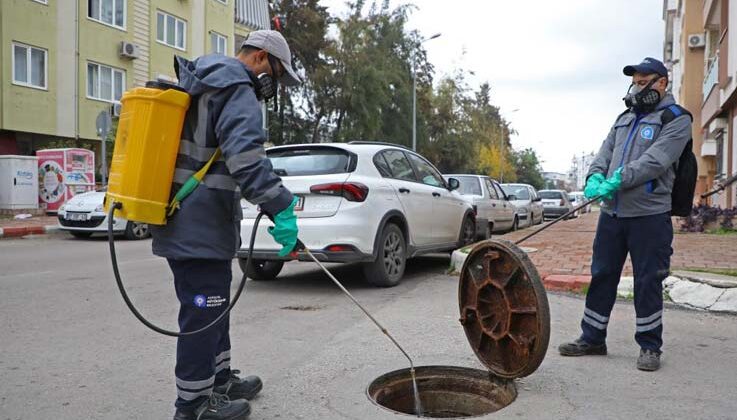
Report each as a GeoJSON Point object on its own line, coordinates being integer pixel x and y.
{"type": "Point", "coordinates": [171, 30]}
{"type": "Point", "coordinates": [105, 83]}
{"type": "Point", "coordinates": [42, 1]}
{"type": "Point", "coordinates": [719, 158]}
{"type": "Point", "coordinates": [109, 12]}
{"type": "Point", "coordinates": [222, 1]}
{"type": "Point", "coordinates": [219, 43]}
{"type": "Point", "coordinates": [29, 66]}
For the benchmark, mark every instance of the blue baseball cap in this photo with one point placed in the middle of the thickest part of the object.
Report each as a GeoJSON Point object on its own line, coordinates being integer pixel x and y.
{"type": "Point", "coordinates": [648, 66]}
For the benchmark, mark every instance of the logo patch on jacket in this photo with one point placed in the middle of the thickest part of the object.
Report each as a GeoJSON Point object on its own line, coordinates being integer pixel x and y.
{"type": "Point", "coordinates": [647, 133]}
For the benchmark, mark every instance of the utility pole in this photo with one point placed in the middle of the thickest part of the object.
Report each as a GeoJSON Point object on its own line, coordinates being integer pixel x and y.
{"type": "Point", "coordinates": [414, 94]}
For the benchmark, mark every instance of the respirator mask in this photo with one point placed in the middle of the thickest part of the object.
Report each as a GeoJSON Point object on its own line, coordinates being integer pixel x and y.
{"type": "Point", "coordinates": [642, 99]}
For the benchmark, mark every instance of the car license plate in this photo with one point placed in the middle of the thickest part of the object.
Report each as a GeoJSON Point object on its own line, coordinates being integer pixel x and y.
{"type": "Point", "coordinates": [547, 204]}
{"type": "Point", "coordinates": [77, 217]}
{"type": "Point", "coordinates": [300, 204]}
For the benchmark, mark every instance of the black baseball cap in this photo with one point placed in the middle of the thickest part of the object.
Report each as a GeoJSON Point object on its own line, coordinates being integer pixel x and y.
{"type": "Point", "coordinates": [648, 66]}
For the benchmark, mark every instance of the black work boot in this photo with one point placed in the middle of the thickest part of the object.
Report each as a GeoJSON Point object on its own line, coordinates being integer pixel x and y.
{"type": "Point", "coordinates": [216, 407]}
{"type": "Point", "coordinates": [237, 388]}
{"type": "Point", "coordinates": [649, 360]}
{"type": "Point", "coordinates": [579, 347]}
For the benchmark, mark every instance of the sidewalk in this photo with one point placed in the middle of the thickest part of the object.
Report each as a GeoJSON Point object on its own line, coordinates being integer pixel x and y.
{"type": "Point", "coordinates": [37, 225]}
{"type": "Point", "coordinates": [565, 249]}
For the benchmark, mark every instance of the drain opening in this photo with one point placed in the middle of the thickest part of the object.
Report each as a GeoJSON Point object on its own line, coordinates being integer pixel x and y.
{"type": "Point", "coordinates": [445, 392]}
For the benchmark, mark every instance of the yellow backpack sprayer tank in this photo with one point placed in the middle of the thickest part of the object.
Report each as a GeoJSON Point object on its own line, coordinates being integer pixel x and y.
{"type": "Point", "coordinates": [145, 154]}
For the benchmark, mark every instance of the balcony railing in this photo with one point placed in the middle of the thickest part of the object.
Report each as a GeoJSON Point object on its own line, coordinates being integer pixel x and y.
{"type": "Point", "coordinates": [711, 76]}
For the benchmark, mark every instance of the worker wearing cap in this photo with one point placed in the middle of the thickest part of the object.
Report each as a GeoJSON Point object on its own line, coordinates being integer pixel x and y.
{"type": "Point", "coordinates": [634, 174]}
{"type": "Point", "coordinates": [201, 238]}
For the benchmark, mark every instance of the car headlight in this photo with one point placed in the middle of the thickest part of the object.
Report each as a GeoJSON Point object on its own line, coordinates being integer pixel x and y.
{"type": "Point", "coordinates": [101, 207]}
{"type": "Point", "coordinates": [63, 207]}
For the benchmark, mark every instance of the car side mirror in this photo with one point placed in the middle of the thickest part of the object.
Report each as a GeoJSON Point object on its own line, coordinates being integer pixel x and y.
{"type": "Point", "coordinates": [538, 199]}
{"type": "Point", "coordinates": [453, 184]}
{"type": "Point", "coordinates": [511, 197]}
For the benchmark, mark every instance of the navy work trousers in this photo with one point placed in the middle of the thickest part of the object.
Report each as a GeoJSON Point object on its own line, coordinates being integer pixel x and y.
{"type": "Point", "coordinates": [203, 360]}
{"type": "Point", "coordinates": [648, 240]}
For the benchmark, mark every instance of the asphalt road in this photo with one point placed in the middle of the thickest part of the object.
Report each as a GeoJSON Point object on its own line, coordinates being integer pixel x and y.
{"type": "Point", "coordinates": [69, 349]}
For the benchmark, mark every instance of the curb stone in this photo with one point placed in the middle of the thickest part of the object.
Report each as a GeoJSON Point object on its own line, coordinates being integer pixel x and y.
{"type": "Point", "coordinates": [21, 231]}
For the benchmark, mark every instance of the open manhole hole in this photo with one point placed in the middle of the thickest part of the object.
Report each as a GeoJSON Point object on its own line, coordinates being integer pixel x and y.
{"type": "Point", "coordinates": [504, 312]}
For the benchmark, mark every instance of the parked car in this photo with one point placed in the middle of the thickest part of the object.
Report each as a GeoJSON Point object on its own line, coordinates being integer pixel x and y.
{"type": "Point", "coordinates": [555, 203]}
{"type": "Point", "coordinates": [84, 215]}
{"type": "Point", "coordinates": [489, 202]}
{"type": "Point", "coordinates": [577, 198]}
{"type": "Point", "coordinates": [527, 204]}
{"type": "Point", "coordinates": [374, 203]}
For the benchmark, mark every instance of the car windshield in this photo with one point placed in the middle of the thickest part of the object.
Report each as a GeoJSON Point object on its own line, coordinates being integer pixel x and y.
{"type": "Point", "coordinates": [309, 161]}
{"type": "Point", "coordinates": [470, 185]}
{"type": "Point", "coordinates": [573, 197]}
{"type": "Point", "coordinates": [555, 195]}
{"type": "Point", "coordinates": [519, 191]}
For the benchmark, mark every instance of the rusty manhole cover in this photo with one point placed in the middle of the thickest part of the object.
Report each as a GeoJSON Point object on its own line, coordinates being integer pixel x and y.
{"type": "Point", "coordinates": [504, 309]}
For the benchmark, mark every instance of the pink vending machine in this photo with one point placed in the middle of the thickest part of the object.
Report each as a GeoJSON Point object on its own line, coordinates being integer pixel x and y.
{"type": "Point", "coordinates": [63, 173]}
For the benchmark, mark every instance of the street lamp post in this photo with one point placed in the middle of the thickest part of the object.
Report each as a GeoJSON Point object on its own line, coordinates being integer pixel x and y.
{"type": "Point", "coordinates": [414, 95]}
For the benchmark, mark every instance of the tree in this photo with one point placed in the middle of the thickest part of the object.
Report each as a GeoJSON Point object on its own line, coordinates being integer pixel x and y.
{"type": "Point", "coordinates": [528, 169]}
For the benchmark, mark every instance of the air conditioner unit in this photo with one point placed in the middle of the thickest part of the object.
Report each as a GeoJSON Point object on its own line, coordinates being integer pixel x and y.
{"type": "Point", "coordinates": [115, 109]}
{"type": "Point", "coordinates": [696, 41]}
{"type": "Point", "coordinates": [129, 50]}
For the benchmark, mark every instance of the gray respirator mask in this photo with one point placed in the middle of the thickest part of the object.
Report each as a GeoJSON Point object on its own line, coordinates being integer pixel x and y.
{"type": "Point", "coordinates": [642, 99]}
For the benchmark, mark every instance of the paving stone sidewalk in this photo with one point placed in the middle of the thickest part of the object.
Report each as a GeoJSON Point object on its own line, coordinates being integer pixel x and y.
{"type": "Point", "coordinates": [565, 249]}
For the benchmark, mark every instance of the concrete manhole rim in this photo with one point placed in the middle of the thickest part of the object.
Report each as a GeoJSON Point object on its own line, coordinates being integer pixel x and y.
{"type": "Point", "coordinates": [473, 374]}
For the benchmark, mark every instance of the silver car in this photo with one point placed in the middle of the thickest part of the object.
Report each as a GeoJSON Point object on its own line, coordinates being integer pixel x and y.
{"type": "Point", "coordinates": [494, 212]}
{"type": "Point", "coordinates": [555, 203]}
{"type": "Point", "coordinates": [526, 202]}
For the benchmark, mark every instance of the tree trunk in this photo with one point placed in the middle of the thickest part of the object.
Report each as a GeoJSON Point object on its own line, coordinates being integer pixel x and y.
{"type": "Point", "coordinates": [316, 130]}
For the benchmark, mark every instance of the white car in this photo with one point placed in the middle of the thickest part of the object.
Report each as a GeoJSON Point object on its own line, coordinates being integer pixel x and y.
{"type": "Point", "coordinates": [577, 199]}
{"type": "Point", "coordinates": [374, 203]}
{"type": "Point", "coordinates": [526, 201]}
{"type": "Point", "coordinates": [84, 215]}
{"type": "Point", "coordinates": [489, 203]}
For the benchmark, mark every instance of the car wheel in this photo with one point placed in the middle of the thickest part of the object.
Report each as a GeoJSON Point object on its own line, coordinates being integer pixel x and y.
{"type": "Point", "coordinates": [261, 270]}
{"type": "Point", "coordinates": [391, 261]}
{"type": "Point", "coordinates": [81, 235]}
{"type": "Point", "coordinates": [135, 231]}
{"type": "Point", "coordinates": [468, 232]}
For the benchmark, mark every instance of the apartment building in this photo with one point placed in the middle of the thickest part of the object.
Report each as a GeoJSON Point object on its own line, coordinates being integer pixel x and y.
{"type": "Point", "coordinates": [701, 54]}
{"type": "Point", "coordinates": [63, 61]}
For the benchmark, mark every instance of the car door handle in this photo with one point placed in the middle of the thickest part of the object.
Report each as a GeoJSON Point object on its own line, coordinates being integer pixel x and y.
{"type": "Point", "coordinates": [404, 191]}
{"type": "Point", "coordinates": [436, 194]}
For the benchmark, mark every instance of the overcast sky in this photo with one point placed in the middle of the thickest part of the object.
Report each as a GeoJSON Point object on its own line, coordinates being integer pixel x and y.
{"type": "Point", "coordinates": [559, 63]}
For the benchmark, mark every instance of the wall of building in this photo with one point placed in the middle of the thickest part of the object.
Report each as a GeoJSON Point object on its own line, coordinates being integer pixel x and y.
{"type": "Point", "coordinates": [27, 108]}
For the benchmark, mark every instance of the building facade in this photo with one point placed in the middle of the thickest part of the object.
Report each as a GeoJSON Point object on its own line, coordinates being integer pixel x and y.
{"type": "Point", "coordinates": [701, 54]}
{"type": "Point", "coordinates": [579, 168]}
{"type": "Point", "coordinates": [64, 61]}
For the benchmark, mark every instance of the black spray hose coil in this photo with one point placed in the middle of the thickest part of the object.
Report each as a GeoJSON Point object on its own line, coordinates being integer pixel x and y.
{"type": "Point", "coordinates": [116, 272]}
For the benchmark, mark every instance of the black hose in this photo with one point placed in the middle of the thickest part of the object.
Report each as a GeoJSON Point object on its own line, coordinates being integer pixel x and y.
{"type": "Point", "coordinates": [116, 272]}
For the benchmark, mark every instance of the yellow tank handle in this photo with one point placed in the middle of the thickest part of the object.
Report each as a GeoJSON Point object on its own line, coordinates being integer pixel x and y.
{"type": "Point", "coordinates": [192, 183]}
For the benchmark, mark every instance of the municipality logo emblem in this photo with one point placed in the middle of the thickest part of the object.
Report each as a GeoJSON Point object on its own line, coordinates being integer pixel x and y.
{"type": "Point", "coordinates": [647, 133]}
{"type": "Point", "coordinates": [200, 301]}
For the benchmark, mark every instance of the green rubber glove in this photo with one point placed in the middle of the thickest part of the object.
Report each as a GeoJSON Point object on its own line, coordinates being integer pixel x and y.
{"type": "Point", "coordinates": [611, 185]}
{"type": "Point", "coordinates": [285, 229]}
{"type": "Point", "coordinates": [592, 185]}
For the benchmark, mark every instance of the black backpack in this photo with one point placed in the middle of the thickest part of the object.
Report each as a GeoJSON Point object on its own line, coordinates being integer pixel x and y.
{"type": "Point", "coordinates": [686, 169]}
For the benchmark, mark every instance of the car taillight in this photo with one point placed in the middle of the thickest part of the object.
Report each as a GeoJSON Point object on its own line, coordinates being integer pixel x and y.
{"type": "Point", "coordinates": [351, 191]}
